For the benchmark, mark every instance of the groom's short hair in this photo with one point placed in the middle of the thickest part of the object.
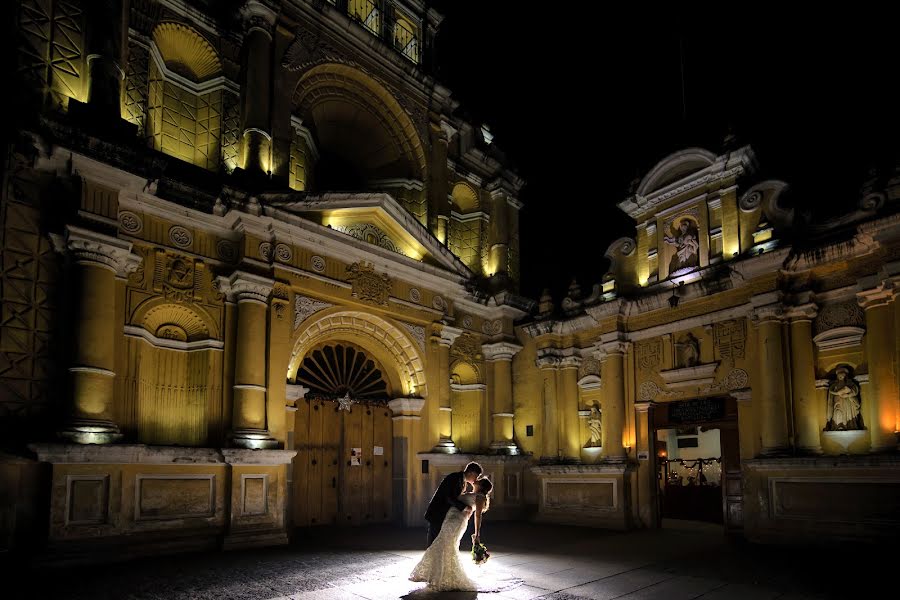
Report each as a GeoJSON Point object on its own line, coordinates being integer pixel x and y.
{"type": "Point", "coordinates": [473, 467]}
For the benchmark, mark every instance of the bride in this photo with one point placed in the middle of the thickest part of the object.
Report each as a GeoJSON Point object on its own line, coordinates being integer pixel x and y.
{"type": "Point", "coordinates": [440, 565]}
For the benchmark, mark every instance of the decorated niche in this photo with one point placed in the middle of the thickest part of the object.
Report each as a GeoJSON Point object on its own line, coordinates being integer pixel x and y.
{"type": "Point", "coordinates": [843, 404]}
{"type": "Point", "coordinates": [682, 238]}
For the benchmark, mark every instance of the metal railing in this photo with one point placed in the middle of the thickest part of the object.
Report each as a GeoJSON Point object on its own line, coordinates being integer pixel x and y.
{"type": "Point", "coordinates": [369, 14]}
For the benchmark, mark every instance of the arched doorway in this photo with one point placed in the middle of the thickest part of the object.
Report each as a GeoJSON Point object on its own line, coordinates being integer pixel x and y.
{"type": "Point", "coordinates": [352, 364]}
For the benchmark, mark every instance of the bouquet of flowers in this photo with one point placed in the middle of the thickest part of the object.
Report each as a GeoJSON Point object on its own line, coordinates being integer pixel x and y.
{"type": "Point", "coordinates": [480, 552]}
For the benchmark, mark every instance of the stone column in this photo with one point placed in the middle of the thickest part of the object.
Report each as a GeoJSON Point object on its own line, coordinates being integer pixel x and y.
{"type": "Point", "coordinates": [768, 314]}
{"type": "Point", "coordinates": [106, 45]}
{"type": "Point", "coordinates": [99, 260]}
{"type": "Point", "coordinates": [438, 201]}
{"type": "Point", "coordinates": [568, 409]}
{"type": "Point", "coordinates": [612, 399]}
{"type": "Point", "coordinates": [548, 363]}
{"type": "Point", "coordinates": [499, 237]}
{"type": "Point", "coordinates": [256, 95]}
{"type": "Point", "coordinates": [406, 417]}
{"type": "Point", "coordinates": [803, 380]}
{"type": "Point", "coordinates": [499, 356]}
{"type": "Point", "coordinates": [249, 426]}
{"type": "Point", "coordinates": [646, 467]}
{"type": "Point", "coordinates": [447, 337]}
{"type": "Point", "coordinates": [883, 382]}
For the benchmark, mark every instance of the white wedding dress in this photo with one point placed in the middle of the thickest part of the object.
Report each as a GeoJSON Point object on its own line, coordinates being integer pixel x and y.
{"type": "Point", "coordinates": [440, 566]}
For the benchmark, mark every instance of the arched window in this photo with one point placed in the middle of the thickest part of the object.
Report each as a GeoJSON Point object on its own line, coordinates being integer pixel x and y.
{"type": "Point", "coordinates": [467, 229]}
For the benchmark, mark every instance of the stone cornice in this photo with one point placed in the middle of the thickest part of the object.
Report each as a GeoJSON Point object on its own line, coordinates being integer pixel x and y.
{"type": "Point", "coordinates": [89, 247]}
{"type": "Point", "coordinates": [155, 455]}
{"type": "Point", "coordinates": [500, 351]}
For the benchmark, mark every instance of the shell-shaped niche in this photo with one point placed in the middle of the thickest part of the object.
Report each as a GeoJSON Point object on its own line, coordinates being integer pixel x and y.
{"type": "Point", "coordinates": [187, 52]}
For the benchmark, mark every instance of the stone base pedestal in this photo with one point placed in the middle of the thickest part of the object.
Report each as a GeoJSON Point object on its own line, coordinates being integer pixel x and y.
{"type": "Point", "coordinates": [589, 495]}
{"type": "Point", "coordinates": [822, 499]}
{"type": "Point", "coordinates": [122, 501]}
{"type": "Point", "coordinates": [253, 439]}
{"type": "Point", "coordinates": [445, 446]}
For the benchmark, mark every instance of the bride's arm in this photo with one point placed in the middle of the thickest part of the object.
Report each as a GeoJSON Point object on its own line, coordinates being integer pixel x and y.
{"type": "Point", "coordinates": [480, 502]}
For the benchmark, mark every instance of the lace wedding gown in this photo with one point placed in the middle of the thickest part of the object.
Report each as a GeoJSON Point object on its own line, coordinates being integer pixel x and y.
{"type": "Point", "coordinates": [440, 566]}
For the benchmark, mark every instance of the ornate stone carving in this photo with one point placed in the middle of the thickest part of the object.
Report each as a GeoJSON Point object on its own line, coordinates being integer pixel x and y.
{"type": "Point", "coordinates": [368, 285]}
{"type": "Point", "coordinates": [467, 348]}
{"type": "Point", "coordinates": [130, 222]}
{"type": "Point", "coordinates": [751, 201]}
{"type": "Point", "coordinates": [843, 404]}
{"type": "Point", "coordinates": [180, 236]}
{"type": "Point", "coordinates": [494, 327]}
{"type": "Point", "coordinates": [89, 247]}
{"type": "Point", "coordinates": [589, 366]}
{"type": "Point", "coordinates": [730, 339]}
{"type": "Point", "coordinates": [317, 263]}
{"type": "Point", "coordinates": [467, 322]}
{"type": "Point", "coordinates": [648, 390]}
{"type": "Point", "coordinates": [842, 314]}
{"type": "Point", "coordinates": [649, 354]}
{"type": "Point", "coordinates": [439, 303]}
{"type": "Point", "coordinates": [265, 251]}
{"type": "Point", "coordinates": [304, 306]}
{"type": "Point", "coordinates": [246, 287]}
{"type": "Point", "coordinates": [371, 234]}
{"type": "Point", "coordinates": [226, 251]}
{"type": "Point", "coordinates": [418, 333]}
{"type": "Point", "coordinates": [283, 252]}
{"type": "Point", "coordinates": [500, 350]}
{"type": "Point", "coordinates": [415, 295]}
{"type": "Point", "coordinates": [737, 379]}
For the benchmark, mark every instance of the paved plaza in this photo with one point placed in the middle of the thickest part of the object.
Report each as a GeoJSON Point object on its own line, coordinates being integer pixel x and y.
{"type": "Point", "coordinates": [558, 563]}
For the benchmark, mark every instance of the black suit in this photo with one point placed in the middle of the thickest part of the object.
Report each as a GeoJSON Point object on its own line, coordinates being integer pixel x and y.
{"type": "Point", "coordinates": [445, 497]}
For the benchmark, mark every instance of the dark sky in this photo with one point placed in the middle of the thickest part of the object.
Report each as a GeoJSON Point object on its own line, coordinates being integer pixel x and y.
{"type": "Point", "coordinates": [583, 98]}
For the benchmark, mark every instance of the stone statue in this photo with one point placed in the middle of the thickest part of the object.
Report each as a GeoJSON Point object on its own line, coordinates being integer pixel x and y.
{"type": "Point", "coordinates": [843, 403]}
{"type": "Point", "coordinates": [687, 246]}
{"type": "Point", "coordinates": [594, 427]}
{"type": "Point", "coordinates": [688, 351]}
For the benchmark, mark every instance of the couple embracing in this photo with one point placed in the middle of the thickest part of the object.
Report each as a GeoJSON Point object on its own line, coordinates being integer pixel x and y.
{"type": "Point", "coordinates": [461, 496]}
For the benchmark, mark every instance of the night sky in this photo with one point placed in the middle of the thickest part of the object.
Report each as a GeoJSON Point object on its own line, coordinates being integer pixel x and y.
{"type": "Point", "coordinates": [583, 99]}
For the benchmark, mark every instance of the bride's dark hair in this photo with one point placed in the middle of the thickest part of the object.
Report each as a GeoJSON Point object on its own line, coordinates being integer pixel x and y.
{"type": "Point", "coordinates": [484, 485]}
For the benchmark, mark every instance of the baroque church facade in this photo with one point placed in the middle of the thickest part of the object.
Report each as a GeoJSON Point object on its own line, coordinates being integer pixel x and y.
{"type": "Point", "coordinates": [260, 275]}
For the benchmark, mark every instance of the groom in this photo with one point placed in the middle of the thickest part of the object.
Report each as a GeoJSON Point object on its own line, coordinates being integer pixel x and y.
{"type": "Point", "coordinates": [447, 496]}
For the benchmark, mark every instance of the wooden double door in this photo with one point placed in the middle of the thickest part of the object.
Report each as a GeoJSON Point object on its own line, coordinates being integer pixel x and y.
{"type": "Point", "coordinates": [343, 468]}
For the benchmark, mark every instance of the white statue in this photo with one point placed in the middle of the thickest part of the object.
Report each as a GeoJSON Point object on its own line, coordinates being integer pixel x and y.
{"type": "Point", "coordinates": [843, 403]}
{"type": "Point", "coordinates": [687, 246]}
{"type": "Point", "coordinates": [594, 427]}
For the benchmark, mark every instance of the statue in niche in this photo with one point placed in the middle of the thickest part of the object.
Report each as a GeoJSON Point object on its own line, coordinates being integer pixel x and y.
{"type": "Point", "coordinates": [687, 246]}
{"type": "Point", "coordinates": [594, 428]}
{"type": "Point", "coordinates": [687, 352]}
{"type": "Point", "coordinates": [843, 405]}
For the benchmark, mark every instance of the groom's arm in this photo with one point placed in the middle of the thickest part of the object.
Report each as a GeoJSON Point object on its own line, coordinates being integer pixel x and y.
{"type": "Point", "coordinates": [452, 491]}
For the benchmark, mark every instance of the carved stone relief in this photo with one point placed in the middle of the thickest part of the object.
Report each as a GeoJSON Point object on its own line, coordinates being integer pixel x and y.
{"type": "Point", "coordinates": [730, 339]}
{"type": "Point", "coordinates": [368, 285]}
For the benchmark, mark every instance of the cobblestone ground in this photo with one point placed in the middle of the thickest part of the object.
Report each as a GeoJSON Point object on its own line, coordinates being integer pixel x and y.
{"type": "Point", "coordinates": [558, 563]}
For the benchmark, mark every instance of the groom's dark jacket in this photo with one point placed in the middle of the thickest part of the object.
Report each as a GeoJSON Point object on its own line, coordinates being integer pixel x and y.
{"type": "Point", "coordinates": [447, 495]}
